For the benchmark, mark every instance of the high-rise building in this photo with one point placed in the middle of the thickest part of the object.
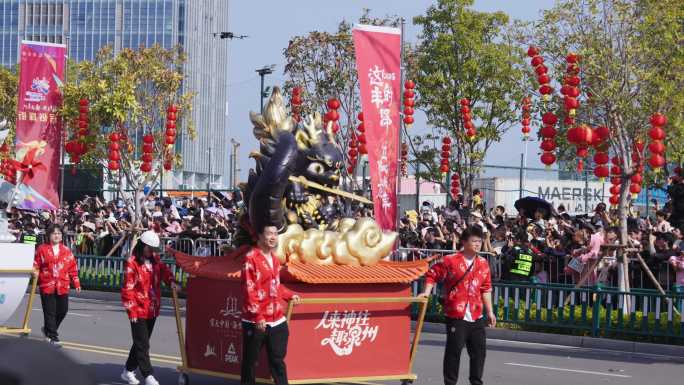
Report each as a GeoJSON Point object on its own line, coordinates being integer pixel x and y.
{"type": "Point", "coordinates": [88, 25]}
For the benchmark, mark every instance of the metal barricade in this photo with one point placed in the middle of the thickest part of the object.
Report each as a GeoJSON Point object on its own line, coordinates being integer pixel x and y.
{"type": "Point", "coordinates": [210, 247]}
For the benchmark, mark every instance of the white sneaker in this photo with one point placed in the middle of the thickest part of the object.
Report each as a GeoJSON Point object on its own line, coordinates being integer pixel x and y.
{"type": "Point", "coordinates": [150, 380]}
{"type": "Point", "coordinates": [129, 377]}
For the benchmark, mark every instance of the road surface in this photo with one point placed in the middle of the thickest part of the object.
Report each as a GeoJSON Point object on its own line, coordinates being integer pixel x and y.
{"type": "Point", "coordinates": [96, 333]}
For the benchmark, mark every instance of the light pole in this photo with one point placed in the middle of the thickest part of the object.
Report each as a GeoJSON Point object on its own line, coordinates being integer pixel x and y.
{"type": "Point", "coordinates": [233, 166]}
{"type": "Point", "coordinates": [263, 71]}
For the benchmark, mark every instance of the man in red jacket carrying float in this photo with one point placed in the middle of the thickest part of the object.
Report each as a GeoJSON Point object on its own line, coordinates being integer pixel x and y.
{"type": "Point", "coordinates": [263, 309]}
{"type": "Point", "coordinates": [467, 298]}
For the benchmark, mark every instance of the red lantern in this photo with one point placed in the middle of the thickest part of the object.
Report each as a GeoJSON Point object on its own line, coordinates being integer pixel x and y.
{"type": "Point", "coordinates": [541, 70]}
{"type": "Point", "coordinates": [548, 158]}
{"type": "Point", "coordinates": [83, 109]}
{"type": "Point", "coordinates": [170, 132]}
{"type": "Point", "coordinates": [170, 139]}
{"type": "Point", "coordinates": [656, 133]}
{"type": "Point", "coordinates": [615, 170]}
{"type": "Point", "coordinates": [614, 200]}
{"type": "Point", "coordinates": [544, 79]}
{"type": "Point", "coordinates": [171, 124]}
{"type": "Point", "coordinates": [83, 102]}
{"type": "Point", "coordinates": [333, 115]}
{"type": "Point", "coordinates": [582, 152]}
{"type": "Point", "coordinates": [526, 130]}
{"type": "Point", "coordinates": [584, 135]}
{"type": "Point", "coordinates": [172, 109]}
{"type": "Point", "coordinates": [408, 120]}
{"type": "Point", "coordinates": [146, 158]}
{"type": "Point", "coordinates": [113, 165]}
{"type": "Point", "coordinates": [548, 145]}
{"type": "Point", "coordinates": [634, 188]}
{"type": "Point", "coordinates": [571, 103]}
{"type": "Point", "coordinates": [656, 147]}
{"type": "Point", "coordinates": [446, 140]}
{"type": "Point", "coordinates": [408, 94]}
{"type": "Point", "coordinates": [362, 149]}
{"type": "Point", "coordinates": [658, 119]}
{"type": "Point", "coordinates": [168, 165]}
{"type": "Point", "coordinates": [573, 81]}
{"type": "Point", "coordinates": [409, 84]}
{"type": "Point", "coordinates": [444, 169]}
{"type": "Point", "coordinates": [532, 51]}
{"type": "Point", "coordinates": [114, 137]}
{"type": "Point", "coordinates": [148, 148]}
{"type": "Point", "coordinates": [615, 189]}
{"type": "Point", "coordinates": [637, 178]}
{"type": "Point", "coordinates": [548, 132]}
{"type": "Point", "coordinates": [446, 147]}
{"type": "Point", "coordinates": [148, 138]}
{"type": "Point", "coordinates": [616, 180]}
{"type": "Point", "coordinates": [114, 155]}
{"type": "Point", "coordinates": [146, 167]}
{"type": "Point", "coordinates": [353, 153]}
{"type": "Point", "coordinates": [601, 158]}
{"type": "Point", "coordinates": [550, 118]}
{"type": "Point", "coordinates": [408, 111]}
{"type": "Point", "coordinates": [601, 172]}
{"type": "Point", "coordinates": [603, 132]}
{"type": "Point", "coordinates": [333, 104]}
{"type": "Point", "coordinates": [361, 127]}
{"type": "Point", "coordinates": [656, 161]}
{"type": "Point", "coordinates": [537, 60]}
{"type": "Point", "coordinates": [361, 138]}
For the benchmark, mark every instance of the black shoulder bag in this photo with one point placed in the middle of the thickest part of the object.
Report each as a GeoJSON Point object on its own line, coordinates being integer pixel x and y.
{"type": "Point", "coordinates": [448, 292]}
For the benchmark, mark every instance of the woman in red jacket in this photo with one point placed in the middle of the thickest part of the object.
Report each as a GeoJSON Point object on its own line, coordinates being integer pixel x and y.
{"type": "Point", "coordinates": [57, 269]}
{"type": "Point", "coordinates": [141, 296]}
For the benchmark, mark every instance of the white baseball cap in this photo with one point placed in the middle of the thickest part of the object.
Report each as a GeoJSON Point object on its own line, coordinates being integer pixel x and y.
{"type": "Point", "coordinates": [150, 238]}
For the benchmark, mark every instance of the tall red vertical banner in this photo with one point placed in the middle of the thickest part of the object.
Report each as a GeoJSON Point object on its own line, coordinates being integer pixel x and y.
{"type": "Point", "coordinates": [41, 76]}
{"type": "Point", "coordinates": [378, 51]}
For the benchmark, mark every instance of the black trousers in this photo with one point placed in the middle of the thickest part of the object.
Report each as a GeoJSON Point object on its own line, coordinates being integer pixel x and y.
{"type": "Point", "coordinates": [55, 308]}
{"type": "Point", "coordinates": [139, 356]}
{"type": "Point", "coordinates": [275, 339]}
{"type": "Point", "coordinates": [471, 335]}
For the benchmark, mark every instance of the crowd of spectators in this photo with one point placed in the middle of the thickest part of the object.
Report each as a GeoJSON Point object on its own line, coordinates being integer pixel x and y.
{"type": "Point", "coordinates": [93, 226]}
{"type": "Point", "coordinates": [556, 247]}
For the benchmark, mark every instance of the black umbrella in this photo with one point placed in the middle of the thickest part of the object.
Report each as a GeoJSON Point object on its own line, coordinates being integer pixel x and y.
{"type": "Point", "coordinates": [530, 205]}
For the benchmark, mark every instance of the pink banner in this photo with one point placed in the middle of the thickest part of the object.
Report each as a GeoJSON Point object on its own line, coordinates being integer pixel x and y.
{"type": "Point", "coordinates": [378, 51]}
{"type": "Point", "coordinates": [39, 131]}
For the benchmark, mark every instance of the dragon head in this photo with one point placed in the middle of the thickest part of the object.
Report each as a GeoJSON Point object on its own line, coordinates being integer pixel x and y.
{"type": "Point", "coordinates": [321, 159]}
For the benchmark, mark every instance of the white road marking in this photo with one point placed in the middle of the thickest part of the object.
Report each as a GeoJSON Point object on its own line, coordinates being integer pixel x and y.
{"type": "Point", "coordinates": [569, 370]}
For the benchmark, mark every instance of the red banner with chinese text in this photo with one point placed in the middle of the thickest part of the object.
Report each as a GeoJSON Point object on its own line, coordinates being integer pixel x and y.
{"type": "Point", "coordinates": [378, 52]}
{"type": "Point", "coordinates": [41, 77]}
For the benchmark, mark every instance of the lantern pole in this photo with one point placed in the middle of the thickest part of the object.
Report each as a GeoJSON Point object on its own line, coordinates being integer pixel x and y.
{"type": "Point", "coordinates": [401, 123]}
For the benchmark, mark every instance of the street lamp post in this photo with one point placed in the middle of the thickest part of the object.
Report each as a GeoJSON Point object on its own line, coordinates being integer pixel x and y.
{"type": "Point", "coordinates": [233, 166]}
{"type": "Point", "coordinates": [263, 71]}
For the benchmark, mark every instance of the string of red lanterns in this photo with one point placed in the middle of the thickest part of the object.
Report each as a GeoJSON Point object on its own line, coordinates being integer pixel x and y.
{"type": "Point", "coordinates": [114, 151]}
{"type": "Point", "coordinates": [296, 104]}
{"type": "Point", "coordinates": [148, 149]}
{"type": "Point", "coordinates": [570, 89]}
{"type": "Point", "coordinates": [361, 136]}
{"type": "Point", "coordinates": [537, 62]}
{"type": "Point", "coordinates": [636, 180]}
{"type": "Point", "coordinates": [526, 106]}
{"type": "Point", "coordinates": [170, 134]}
{"type": "Point", "coordinates": [455, 185]}
{"type": "Point", "coordinates": [332, 115]}
{"type": "Point", "coordinates": [657, 146]}
{"type": "Point", "coordinates": [548, 133]}
{"type": "Point", "coordinates": [7, 170]}
{"type": "Point", "coordinates": [446, 154]}
{"type": "Point", "coordinates": [601, 158]}
{"type": "Point", "coordinates": [409, 102]}
{"type": "Point", "coordinates": [467, 118]}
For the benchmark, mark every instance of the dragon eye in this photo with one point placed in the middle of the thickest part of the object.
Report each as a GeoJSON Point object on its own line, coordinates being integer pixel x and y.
{"type": "Point", "coordinates": [316, 168]}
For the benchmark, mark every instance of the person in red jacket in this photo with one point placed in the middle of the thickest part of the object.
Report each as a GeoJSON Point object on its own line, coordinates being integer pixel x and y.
{"type": "Point", "coordinates": [57, 270]}
{"type": "Point", "coordinates": [467, 297]}
{"type": "Point", "coordinates": [263, 311]}
{"type": "Point", "coordinates": [141, 296]}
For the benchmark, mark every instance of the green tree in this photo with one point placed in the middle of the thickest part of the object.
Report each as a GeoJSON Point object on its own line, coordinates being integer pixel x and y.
{"type": "Point", "coordinates": [632, 65]}
{"type": "Point", "coordinates": [463, 53]}
{"type": "Point", "coordinates": [8, 99]}
{"type": "Point", "coordinates": [128, 93]}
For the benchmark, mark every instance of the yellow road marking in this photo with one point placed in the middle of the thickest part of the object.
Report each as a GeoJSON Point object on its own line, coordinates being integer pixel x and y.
{"type": "Point", "coordinates": [115, 354]}
{"type": "Point", "coordinates": [97, 347]}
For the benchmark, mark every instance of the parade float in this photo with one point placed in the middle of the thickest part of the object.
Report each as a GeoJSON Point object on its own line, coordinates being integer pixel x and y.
{"type": "Point", "coordinates": [354, 321]}
{"type": "Point", "coordinates": [355, 316]}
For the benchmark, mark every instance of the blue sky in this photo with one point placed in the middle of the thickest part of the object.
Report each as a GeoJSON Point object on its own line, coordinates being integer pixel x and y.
{"type": "Point", "coordinates": [271, 24]}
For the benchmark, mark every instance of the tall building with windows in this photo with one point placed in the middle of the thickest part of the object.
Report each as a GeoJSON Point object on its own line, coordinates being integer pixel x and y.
{"type": "Point", "coordinates": [88, 25]}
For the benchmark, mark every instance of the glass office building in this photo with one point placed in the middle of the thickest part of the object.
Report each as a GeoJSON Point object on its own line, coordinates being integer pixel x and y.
{"type": "Point", "coordinates": [88, 25]}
